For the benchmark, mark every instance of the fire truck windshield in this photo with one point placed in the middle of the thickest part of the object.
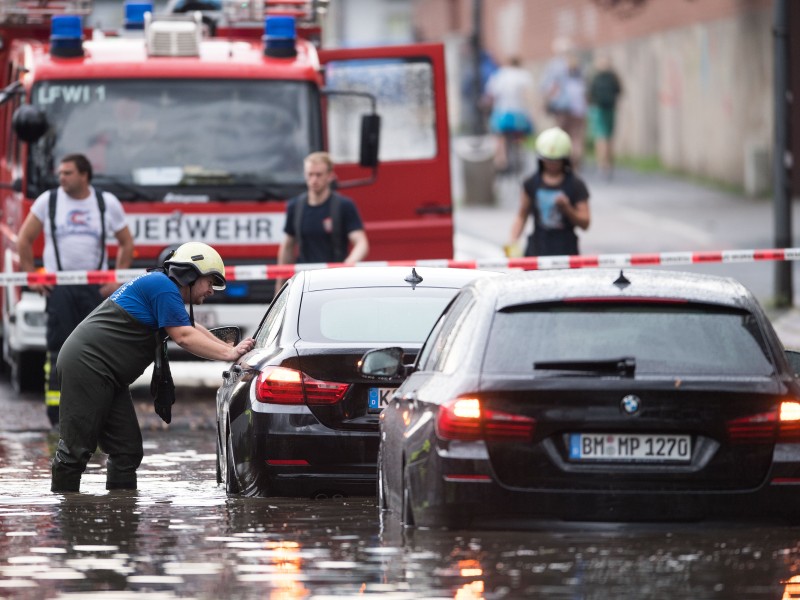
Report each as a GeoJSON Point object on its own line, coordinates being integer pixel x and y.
{"type": "Point", "coordinates": [225, 139]}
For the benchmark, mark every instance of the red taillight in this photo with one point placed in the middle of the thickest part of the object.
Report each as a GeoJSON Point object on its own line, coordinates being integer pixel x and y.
{"type": "Point", "coordinates": [278, 385]}
{"type": "Point", "coordinates": [754, 429]}
{"type": "Point", "coordinates": [464, 419]}
{"type": "Point", "coordinates": [782, 425]}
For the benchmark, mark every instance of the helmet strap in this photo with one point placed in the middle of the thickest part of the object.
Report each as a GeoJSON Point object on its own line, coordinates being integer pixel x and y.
{"type": "Point", "coordinates": [191, 304]}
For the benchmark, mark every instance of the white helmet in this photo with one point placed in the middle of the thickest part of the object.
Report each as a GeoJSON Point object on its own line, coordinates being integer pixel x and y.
{"type": "Point", "coordinates": [194, 259]}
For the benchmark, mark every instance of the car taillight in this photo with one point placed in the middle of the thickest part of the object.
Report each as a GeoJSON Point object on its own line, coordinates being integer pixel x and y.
{"type": "Point", "coordinates": [789, 419]}
{"type": "Point", "coordinates": [782, 425]}
{"type": "Point", "coordinates": [465, 419]}
{"type": "Point", "coordinates": [279, 385]}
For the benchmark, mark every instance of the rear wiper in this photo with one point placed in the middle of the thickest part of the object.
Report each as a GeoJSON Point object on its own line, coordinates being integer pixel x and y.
{"type": "Point", "coordinates": [132, 189]}
{"type": "Point", "coordinates": [625, 365]}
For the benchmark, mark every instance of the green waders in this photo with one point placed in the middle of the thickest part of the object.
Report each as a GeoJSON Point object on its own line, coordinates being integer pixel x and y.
{"type": "Point", "coordinates": [107, 352]}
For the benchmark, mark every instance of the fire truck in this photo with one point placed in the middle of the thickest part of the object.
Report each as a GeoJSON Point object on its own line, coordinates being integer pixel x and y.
{"type": "Point", "coordinates": [201, 132]}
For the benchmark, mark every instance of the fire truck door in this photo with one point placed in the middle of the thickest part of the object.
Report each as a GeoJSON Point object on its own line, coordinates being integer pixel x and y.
{"type": "Point", "coordinates": [407, 210]}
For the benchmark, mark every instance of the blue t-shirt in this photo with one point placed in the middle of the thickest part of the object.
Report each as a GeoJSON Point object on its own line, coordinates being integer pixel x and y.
{"type": "Point", "coordinates": [154, 300]}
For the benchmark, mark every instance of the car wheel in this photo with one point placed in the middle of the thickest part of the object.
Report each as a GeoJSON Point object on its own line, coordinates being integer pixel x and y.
{"type": "Point", "coordinates": [408, 512]}
{"type": "Point", "coordinates": [382, 505]}
{"type": "Point", "coordinates": [219, 458]}
{"type": "Point", "coordinates": [231, 482]}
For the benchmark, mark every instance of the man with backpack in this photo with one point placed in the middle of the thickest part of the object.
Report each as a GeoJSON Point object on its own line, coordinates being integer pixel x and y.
{"type": "Point", "coordinates": [321, 225]}
{"type": "Point", "coordinates": [75, 219]}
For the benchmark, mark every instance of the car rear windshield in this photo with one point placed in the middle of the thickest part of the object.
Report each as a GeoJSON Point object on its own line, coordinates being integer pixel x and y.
{"type": "Point", "coordinates": [372, 315]}
{"type": "Point", "coordinates": [662, 339]}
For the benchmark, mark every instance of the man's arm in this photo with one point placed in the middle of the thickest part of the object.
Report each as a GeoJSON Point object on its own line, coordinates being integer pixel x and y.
{"type": "Point", "coordinates": [286, 253]}
{"type": "Point", "coordinates": [202, 344]}
{"type": "Point", "coordinates": [31, 229]}
{"type": "Point", "coordinates": [125, 249]}
{"type": "Point", "coordinates": [358, 239]}
{"type": "Point", "coordinates": [124, 258]}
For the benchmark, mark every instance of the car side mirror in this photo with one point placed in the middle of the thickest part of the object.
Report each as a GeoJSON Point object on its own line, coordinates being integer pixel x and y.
{"type": "Point", "coordinates": [794, 361]}
{"type": "Point", "coordinates": [382, 363]}
{"type": "Point", "coordinates": [230, 335]}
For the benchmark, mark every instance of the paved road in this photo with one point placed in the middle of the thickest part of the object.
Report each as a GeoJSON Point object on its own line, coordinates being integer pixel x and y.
{"type": "Point", "coordinates": [648, 213]}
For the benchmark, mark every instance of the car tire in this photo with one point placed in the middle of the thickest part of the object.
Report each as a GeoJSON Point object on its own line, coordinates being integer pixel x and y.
{"type": "Point", "coordinates": [408, 512]}
{"type": "Point", "coordinates": [219, 457]}
{"type": "Point", "coordinates": [231, 482]}
{"type": "Point", "coordinates": [407, 516]}
{"type": "Point", "coordinates": [381, 491]}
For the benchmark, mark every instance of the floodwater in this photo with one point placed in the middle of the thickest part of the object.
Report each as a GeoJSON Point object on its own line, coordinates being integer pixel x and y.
{"type": "Point", "coordinates": [179, 536]}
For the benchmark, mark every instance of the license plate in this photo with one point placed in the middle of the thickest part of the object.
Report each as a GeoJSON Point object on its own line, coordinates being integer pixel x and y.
{"type": "Point", "coordinates": [379, 397]}
{"type": "Point", "coordinates": [630, 447]}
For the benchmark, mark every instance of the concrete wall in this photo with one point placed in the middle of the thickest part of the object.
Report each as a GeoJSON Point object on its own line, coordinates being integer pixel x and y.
{"type": "Point", "coordinates": [697, 75]}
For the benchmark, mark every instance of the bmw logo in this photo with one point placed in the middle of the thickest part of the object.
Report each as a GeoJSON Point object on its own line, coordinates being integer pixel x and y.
{"type": "Point", "coordinates": [630, 404]}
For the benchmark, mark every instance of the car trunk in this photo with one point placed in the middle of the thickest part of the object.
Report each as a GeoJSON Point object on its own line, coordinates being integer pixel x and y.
{"type": "Point", "coordinates": [340, 364]}
{"type": "Point", "coordinates": [644, 435]}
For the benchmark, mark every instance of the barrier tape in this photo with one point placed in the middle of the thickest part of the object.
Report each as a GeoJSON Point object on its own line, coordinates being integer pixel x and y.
{"type": "Point", "coordinates": [266, 272]}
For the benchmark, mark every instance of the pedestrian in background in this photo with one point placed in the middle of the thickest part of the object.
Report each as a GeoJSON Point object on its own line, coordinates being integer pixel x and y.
{"type": "Point", "coordinates": [556, 198]}
{"type": "Point", "coordinates": [604, 90]}
{"type": "Point", "coordinates": [113, 346]}
{"type": "Point", "coordinates": [75, 219]}
{"type": "Point", "coordinates": [509, 93]}
{"type": "Point", "coordinates": [564, 89]}
{"type": "Point", "coordinates": [321, 225]}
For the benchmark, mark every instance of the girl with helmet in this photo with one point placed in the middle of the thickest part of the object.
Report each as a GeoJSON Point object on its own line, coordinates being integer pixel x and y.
{"type": "Point", "coordinates": [113, 346]}
{"type": "Point", "coordinates": [557, 199]}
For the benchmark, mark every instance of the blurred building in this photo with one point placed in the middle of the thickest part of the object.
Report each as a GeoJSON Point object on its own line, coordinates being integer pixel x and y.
{"type": "Point", "coordinates": [697, 74]}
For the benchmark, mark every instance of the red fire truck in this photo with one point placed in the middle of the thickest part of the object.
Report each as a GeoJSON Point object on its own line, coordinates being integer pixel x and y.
{"type": "Point", "coordinates": [202, 136]}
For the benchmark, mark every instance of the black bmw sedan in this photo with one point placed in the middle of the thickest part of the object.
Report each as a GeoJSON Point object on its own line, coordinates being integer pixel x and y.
{"type": "Point", "coordinates": [296, 418]}
{"type": "Point", "coordinates": [593, 395]}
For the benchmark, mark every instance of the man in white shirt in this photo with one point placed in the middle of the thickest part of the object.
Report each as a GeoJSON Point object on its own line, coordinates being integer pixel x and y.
{"type": "Point", "coordinates": [75, 219]}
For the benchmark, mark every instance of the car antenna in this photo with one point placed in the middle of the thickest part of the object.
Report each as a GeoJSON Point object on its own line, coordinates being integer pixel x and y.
{"type": "Point", "coordinates": [414, 279]}
{"type": "Point", "coordinates": [622, 282]}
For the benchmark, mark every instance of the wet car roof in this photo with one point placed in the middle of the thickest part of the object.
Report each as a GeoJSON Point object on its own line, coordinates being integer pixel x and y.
{"type": "Point", "coordinates": [382, 276]}
{"type": "Point", "coordinates": [551, 286]}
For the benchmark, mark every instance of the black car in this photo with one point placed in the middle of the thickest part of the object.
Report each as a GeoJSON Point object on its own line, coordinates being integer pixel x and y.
{"type": "Point", "coordinates": [593, 395]}
{"type": "Point", "coordinates": [296, 418]}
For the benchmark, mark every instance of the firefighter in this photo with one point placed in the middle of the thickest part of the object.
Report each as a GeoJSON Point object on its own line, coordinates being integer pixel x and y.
{"type": "Point", "coordinates": [74, 219]}
{"type": "Point", "coordinates": [321, 225]}
{"type": "Point", "coordinates": [112, 347]}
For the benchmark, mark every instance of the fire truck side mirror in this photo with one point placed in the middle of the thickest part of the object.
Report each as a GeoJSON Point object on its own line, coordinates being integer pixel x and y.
{"type": "Point", "coordinates": [370, 140]}
{"type": "Point", "coordinates": [29, 122]}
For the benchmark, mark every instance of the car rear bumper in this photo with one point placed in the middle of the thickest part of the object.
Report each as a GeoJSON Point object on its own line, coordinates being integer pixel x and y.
{"type": "Point", "coordinates": [489, 505]}
{"type": "Point", "coordinates": [459, 492]}
{"type": "Point", "coordinates": [295, 455]}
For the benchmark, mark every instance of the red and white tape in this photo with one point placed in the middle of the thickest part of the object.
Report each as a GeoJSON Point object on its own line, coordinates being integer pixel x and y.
{"type": "Point", "coordinates": [264, 272]}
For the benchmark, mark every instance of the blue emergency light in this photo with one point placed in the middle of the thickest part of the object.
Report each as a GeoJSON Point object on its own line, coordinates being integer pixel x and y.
{"type": "Point", "coordinates": [66, 36]}
{"type": "Point", "coordinates": [280, 36]}
{"type": "Point", "coordinates": [134, 14]}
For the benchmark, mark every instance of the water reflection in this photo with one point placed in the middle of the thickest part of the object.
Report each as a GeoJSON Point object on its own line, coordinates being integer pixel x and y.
{"type": "Point", "coordinates": [179, 536]}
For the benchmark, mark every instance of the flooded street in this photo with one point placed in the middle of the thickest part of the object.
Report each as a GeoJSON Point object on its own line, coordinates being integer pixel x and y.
{"type": "Point", "coordinates": [178, 536]}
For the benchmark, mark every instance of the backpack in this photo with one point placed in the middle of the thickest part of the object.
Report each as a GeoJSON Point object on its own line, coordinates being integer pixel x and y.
{"type": "Point", "coordinates": [339, 253]}
{"type": "Point", "coordinates": [604, 89]}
